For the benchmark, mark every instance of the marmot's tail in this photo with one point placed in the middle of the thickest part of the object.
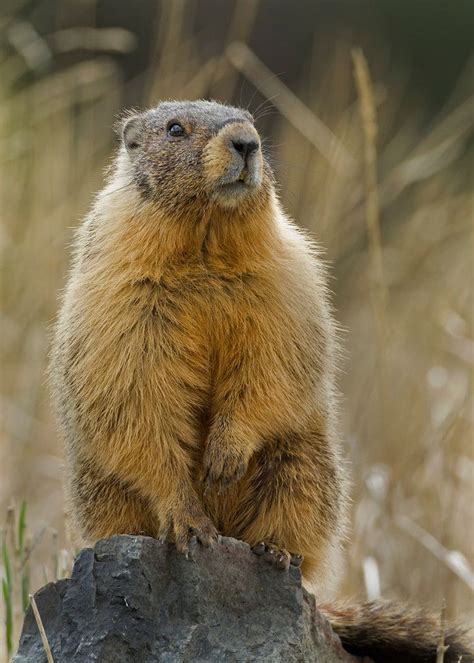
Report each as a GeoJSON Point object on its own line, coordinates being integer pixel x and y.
{"type": "Point", "coordinates": [392, 633]}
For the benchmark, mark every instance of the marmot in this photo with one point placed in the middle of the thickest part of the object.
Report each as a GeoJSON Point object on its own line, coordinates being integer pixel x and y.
{"type": "Point", "coordinates": [194, 356]}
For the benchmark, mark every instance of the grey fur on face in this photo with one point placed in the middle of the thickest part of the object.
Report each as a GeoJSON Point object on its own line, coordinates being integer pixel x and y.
{"type": "Point", "coordinates": [184, 154]}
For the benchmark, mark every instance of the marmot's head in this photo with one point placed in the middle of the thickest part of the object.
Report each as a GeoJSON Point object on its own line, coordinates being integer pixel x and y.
{"type": "Point", "coordinates": [184, 155]}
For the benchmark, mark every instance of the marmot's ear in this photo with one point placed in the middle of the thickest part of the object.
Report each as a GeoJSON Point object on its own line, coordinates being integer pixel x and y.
{"type": "Point", "coordinates": [132, 133]}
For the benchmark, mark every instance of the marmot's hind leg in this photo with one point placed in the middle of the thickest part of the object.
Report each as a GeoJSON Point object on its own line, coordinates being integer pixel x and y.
{"type": "Point", "coordinates": [105, 506]}
{"type": "Point", "coordinates": [290, 500]}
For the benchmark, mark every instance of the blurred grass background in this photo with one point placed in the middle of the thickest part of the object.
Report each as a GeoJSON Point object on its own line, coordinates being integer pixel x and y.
{"type": "Point", "coordinates": [67, 67]}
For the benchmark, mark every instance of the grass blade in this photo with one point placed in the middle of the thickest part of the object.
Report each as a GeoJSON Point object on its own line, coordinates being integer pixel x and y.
{"type": "Point", "coordinates": [21, 529]}
{"type": "Point", "coordinates": [7, 598]}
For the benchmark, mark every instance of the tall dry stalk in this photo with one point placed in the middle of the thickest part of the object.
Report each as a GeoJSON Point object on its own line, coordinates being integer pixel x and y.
{"type": "Point", "coordinates": [44, 637]}
{"type": "Point", "coordinates": [369, 123]}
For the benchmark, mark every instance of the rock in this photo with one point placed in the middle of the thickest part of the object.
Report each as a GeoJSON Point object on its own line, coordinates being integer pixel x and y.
{"type": "Point", "coordinates": [132, 599]}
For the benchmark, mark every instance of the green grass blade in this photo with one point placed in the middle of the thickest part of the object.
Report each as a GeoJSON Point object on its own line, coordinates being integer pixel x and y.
{"type": "Point", "coordinates": [21, 529]}
{"type": "Point", "coordinates": [7, 565]}
{"type": "Point", "coordinates": [8, 616]}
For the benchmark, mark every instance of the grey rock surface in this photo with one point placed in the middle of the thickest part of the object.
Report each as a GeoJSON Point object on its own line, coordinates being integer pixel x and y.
{"type": "Point", "coordinates": [132, 599]}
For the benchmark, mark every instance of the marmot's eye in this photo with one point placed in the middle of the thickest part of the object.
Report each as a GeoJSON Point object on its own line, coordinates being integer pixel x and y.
{"type": "Point", "coordinates": [175, 130]}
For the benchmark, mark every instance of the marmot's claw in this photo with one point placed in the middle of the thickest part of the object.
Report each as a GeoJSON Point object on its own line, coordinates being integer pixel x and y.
{"type": "Point", "coordinates": [164, 531]}
{"type": "Point", "coordinates": [259, 549]}
{"type": "Point", "coordinates": [296, 560]}
{"type": "Point", "coordinates": [186, 528]}
{"type": "Point", "coordinates": [281, 558]}
{"type": "Point", "coordinates": [204, 532]}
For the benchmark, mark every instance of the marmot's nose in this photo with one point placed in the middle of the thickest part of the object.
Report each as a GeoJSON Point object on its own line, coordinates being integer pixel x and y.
{"type": "Point", "coordinates": [244, 146]}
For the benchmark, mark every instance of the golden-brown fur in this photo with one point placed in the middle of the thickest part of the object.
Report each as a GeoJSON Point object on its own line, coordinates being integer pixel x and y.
{"type": "Point", "coordinates": [194, 357]}
{"type": "Point", "coordinates": [195, 341]}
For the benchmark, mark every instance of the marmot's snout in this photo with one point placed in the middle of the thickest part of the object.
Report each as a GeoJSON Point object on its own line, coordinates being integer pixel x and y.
{"type": "Point", "coordinates": [233, 163]}
{"type": "Point", "coordinates": [245, 144]}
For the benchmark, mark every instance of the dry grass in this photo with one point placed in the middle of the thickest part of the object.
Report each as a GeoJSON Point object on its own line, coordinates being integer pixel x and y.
{"type": "Point", "coordinates": [44, 638]}
{"type": "Point", "coordinates": [411, 440]}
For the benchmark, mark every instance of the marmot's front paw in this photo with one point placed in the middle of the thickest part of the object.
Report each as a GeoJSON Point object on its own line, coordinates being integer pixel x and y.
{"type": "Point", "coordinates": [184, 524]}
{"type": "Point", "coordinates": [222, 466]}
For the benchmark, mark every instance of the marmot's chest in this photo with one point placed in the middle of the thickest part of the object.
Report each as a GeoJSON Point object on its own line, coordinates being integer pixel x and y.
{"type": "Point", "coordinates": [213, 297]}
{"type": "Point", "coordinates": [216, 310]}
{"type": "Point", "coordinates": [210, 326]}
